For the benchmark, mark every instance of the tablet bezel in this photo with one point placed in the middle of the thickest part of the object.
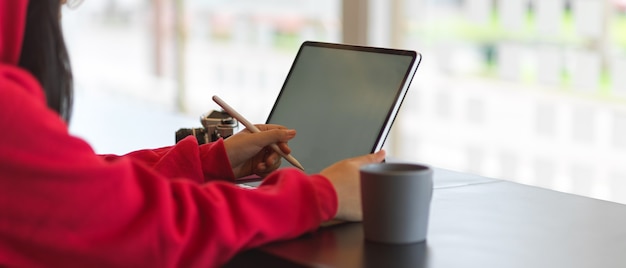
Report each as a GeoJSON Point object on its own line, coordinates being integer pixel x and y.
{"type": "Point", "coordinates": [400, 94]}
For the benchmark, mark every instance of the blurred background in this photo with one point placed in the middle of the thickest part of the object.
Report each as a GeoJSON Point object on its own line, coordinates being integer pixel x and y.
{"type": "Point", "coordinates": [532, 91]}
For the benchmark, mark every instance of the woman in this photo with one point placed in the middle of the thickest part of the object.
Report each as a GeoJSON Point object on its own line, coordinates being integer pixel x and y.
{"type": "Point", "coordinates": [62, 205]}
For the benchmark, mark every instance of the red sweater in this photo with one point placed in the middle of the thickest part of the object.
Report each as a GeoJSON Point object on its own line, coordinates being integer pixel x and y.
{"type": "Point", "coordinates": [61, 205]}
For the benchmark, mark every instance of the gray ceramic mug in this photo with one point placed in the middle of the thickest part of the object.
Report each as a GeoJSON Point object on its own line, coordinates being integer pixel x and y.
{"type": "Point", "coordinates": [396, 202]}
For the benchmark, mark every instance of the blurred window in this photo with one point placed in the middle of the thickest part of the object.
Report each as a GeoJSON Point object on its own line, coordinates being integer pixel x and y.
{"type": "Point", "coordinates": [526, 90]}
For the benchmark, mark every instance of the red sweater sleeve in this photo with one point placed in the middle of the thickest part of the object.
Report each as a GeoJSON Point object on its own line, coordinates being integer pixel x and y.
{"type": "Point", "coordinates": [187, 159]}
{"type": "Point", "coordinates": [61, 205]}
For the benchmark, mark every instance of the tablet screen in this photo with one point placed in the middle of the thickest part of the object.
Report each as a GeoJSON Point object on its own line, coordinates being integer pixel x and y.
{"type": "Point", "coordinates": [341, 100]}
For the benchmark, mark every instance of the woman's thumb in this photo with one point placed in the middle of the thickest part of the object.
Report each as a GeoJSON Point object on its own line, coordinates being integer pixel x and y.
{"type": "Point", "coordinates": [376, 157]}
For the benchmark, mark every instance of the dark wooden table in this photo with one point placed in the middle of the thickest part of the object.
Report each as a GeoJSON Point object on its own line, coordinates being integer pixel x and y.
{"type": "Point", "coordinates": [475, 222]}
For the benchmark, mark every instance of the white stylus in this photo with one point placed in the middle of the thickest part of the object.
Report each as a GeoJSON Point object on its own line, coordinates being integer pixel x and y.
{"type": "Point", "coordinates": [254, 129]}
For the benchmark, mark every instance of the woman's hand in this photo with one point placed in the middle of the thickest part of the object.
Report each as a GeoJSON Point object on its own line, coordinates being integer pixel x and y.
{"type": "Point", "coordinates": [249, 153]}
{"type": "Point", "coordinates": [345, 177]}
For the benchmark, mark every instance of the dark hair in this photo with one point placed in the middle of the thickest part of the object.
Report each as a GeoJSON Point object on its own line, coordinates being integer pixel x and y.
{"type": "Point", "coordinates": [44, 54]}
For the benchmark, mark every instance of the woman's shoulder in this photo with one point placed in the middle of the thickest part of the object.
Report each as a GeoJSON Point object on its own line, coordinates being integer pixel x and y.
{"type": "Point", "coordinates": [16, 82]}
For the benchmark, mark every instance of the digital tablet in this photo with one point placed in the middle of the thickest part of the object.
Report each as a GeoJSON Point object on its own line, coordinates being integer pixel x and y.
{"type": "Point", "coordinates": [342, 100]}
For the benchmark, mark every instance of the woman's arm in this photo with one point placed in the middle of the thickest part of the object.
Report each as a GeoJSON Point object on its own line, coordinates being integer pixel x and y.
{"type": "Point", "coordinates": [64, 206]}
{"type": "Point", "coordinates": [186, 159]}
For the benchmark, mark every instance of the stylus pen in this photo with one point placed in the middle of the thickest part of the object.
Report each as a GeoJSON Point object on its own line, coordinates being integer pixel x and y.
{"type": "Point", "coordinates": [254, 129]}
